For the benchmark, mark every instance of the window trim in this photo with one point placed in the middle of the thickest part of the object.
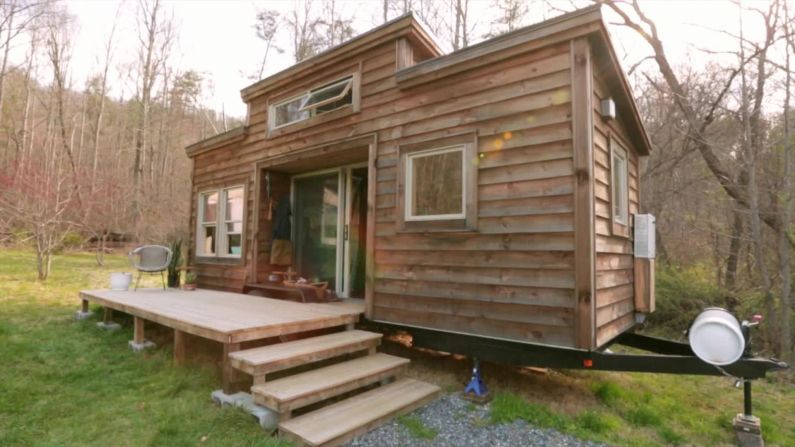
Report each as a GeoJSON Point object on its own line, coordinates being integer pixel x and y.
{"type": "Point", "coordinates": [409, 183]}
{"type": "Point", "coordinates": [619, 222]}
{"type": "Point", "coordinates": [220, 224]}
{"type": "Point", "coordinates": [354, 106]}
{"type": "Point", "coordinates": [465, 223]}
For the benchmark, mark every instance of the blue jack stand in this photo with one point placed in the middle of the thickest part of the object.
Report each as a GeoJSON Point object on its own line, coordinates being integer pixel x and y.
{"type": "Point", "coordinates": [476, 390]}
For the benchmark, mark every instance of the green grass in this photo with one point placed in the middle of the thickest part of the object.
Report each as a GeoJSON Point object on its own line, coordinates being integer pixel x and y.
{"type": "Point", "coordinates": [657, 409]}
{"type": "Point", "coordinates": [417, 428]}
{"type": "Point", "coordinates": [67, 383]}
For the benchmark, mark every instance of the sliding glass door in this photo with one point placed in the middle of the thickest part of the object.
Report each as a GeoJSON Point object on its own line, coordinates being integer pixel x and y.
{"type": "Point", "coordinates": [316, 201]}
{"type": "Point", "coordinates": [329, 228]}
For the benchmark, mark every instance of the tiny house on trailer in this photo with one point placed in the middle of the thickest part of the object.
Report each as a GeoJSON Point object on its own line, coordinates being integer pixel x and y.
{"type": "Point", "coordinates": [490, 192]}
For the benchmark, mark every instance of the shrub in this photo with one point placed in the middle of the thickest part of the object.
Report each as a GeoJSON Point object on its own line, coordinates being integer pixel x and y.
{"type": "Point", "coordinates": [683, 292]}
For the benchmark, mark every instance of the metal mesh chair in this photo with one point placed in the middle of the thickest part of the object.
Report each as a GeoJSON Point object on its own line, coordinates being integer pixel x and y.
{"type": "Point", "coordinates": [150, 259]}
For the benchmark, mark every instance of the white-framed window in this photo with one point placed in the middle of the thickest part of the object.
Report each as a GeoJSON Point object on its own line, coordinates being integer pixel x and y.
{"type": "Point", "coordinates": [435, 184]}
{"type": "Point", "coordinates": [619, 187]}
{"type": "Point", "coordinates": [319, 100]}
{"type": "Point", "coordinates": [220, 223]}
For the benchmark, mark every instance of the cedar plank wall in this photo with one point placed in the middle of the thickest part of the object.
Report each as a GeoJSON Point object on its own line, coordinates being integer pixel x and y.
{"type": "Point", "coordinates": [514, 277]}
{"type": "Point", "coordinates": [614, 254]}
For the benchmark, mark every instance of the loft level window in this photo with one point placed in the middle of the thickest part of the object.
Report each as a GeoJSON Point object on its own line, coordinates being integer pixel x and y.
{"type": "Point", "coordinates": [317, 101]}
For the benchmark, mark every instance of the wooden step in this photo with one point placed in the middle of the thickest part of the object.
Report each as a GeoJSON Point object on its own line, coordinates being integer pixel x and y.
{"type": "Point", "coordinates": [338, 423]}
{"type": "Point", "coordinates": [260, 361]}
{"type": "Point", "coordinates": [289, 393]}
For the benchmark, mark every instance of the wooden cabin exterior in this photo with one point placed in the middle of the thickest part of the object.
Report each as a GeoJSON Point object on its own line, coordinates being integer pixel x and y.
{"type": "Point", "coordinates": [481, 192]}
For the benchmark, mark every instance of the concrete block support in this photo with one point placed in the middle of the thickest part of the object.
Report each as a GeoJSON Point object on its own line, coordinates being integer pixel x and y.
{"type": "Point", "coordinates": [748, 430]}
{"type": "Point", "coordinates": [138, 347]}
{"type": "Point", "coordinates": [267, 418]}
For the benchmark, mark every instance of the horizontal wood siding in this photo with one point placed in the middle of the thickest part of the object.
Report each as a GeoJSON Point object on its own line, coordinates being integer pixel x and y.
{"type": "Point", "coordinates": [513, 277]}
{"type": "Point", "coordinates": [614, 252]}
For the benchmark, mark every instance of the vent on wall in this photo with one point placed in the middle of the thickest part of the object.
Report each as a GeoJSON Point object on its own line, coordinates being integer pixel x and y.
{"type": "Point", "coordinates": [608, 109]}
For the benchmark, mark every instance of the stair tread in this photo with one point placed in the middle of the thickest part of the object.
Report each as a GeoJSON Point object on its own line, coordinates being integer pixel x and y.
{"type": "Point", "coordinates": [337, 423]}
{"type": "Point", "coordinates": [284, 355]}
{"type": "Point", "coordinates": [329, 377]}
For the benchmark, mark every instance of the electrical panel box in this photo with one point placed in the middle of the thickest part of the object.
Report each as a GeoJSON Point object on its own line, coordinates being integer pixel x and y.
{"type": "Point", "coordinates": [644, 236]}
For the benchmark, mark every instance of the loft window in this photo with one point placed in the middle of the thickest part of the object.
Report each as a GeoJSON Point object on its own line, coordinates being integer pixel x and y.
{"type": "Point", "coordinates": [289, 112]}
{"type": "Point", "coordinates": [434, 184]}
{"type": "Point", "coordinates": [317, 101]}
{"type": "Point", "coordinates": [330, 97]}
{"type": "Point", "coordinates": [220, 232]}
{"type": "Point", "coordinates": [618, 169]}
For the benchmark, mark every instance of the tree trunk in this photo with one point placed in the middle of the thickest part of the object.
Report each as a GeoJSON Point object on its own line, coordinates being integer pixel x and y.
{"type": "Point", "coordinates": [733, 260]}
{"type": "Point", "coordinates": [784, 249]}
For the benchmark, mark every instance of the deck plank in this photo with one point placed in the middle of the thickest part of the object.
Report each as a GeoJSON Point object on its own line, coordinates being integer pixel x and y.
{"type": "Point", "coordinates": [335, 424]}
{"type": "Point", "coordinates": [281, 356]}
{"type": "Point", "coordinates": [313, 386]}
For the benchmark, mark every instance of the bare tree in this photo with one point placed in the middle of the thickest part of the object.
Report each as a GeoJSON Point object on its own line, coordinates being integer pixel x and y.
{"type": "Point", "coordinates": [786, 193]}
{"type": "Point", "coordinates": [512, 15]}
{"type": "Point", "coordinates": [156, 35]}
{"type": "Point", "coordinates": [338, 28]}
{"type": "Point", "coordinates": [304, 26]}
{"type": "Point", "coordinates": [267, 27]}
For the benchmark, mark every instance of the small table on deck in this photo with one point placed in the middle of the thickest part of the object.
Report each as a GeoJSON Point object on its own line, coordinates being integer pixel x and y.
{"type": "Point", "coordinates": [229, 318]}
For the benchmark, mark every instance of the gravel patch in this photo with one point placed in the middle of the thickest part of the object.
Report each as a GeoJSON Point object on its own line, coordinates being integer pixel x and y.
{"type": "Point", "coordinates": [460, 423]}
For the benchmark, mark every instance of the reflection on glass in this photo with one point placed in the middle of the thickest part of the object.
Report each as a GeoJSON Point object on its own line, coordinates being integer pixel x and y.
{"type": "Point", "coordinates": [437, 184]}
{"type": "Point", "coordinates": [234, 204]}
{"type": "Point", "coordinates": [233, 244]}
{"type": "Point", "coordinates": [316, 212]}
{"type": "Point", "coordinates": [209, 240]}
{"type": "Point", "coordinates": [210, 206]}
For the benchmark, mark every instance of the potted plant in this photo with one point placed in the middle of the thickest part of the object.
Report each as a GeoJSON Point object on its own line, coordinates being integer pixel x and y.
{"type": "Point", "coordinates": [176, 261]}
{"type": "Point", "coordinates": [190, 281]}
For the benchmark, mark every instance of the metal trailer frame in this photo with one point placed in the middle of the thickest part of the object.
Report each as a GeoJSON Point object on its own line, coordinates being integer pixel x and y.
{"type": "Point", "coordinates": [662, 356]}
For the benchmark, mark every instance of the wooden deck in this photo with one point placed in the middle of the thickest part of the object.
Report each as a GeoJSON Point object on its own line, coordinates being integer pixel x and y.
{"type": "Point", "coordinates": [223, 316]}
{"type": "Point", "coordinates": [229, 318]}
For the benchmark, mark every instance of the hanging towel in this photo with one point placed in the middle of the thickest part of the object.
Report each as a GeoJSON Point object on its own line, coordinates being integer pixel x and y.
{"type": "Point", "coordinates": [281, 220]}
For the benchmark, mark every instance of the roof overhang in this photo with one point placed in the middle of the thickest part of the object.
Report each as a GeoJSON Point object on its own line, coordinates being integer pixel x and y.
{"type": "Point", "coordinates": [236, 135]}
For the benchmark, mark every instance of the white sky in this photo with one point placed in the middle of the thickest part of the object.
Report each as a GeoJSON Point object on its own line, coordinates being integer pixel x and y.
{"type": "Point", "coordinates": [217, 38]}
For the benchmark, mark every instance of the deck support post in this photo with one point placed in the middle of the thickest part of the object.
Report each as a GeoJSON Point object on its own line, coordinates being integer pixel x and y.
{"type": "Point", "coordinates": [139, 343]}
{"type": "Point", "coordinates": [747, 427]}
{"type": "Point", "coordinates": [180, 341]}
{"type": "Point", "coordinates": [84, 311]}
{"type": "Point", "coordinates": [107, 322]}
{"type": "Point", "coordinates": [231, 378]}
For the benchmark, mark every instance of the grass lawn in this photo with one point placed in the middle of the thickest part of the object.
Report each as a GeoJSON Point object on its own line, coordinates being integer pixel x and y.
{"type": "Point", "coordinates": [64, 383]}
